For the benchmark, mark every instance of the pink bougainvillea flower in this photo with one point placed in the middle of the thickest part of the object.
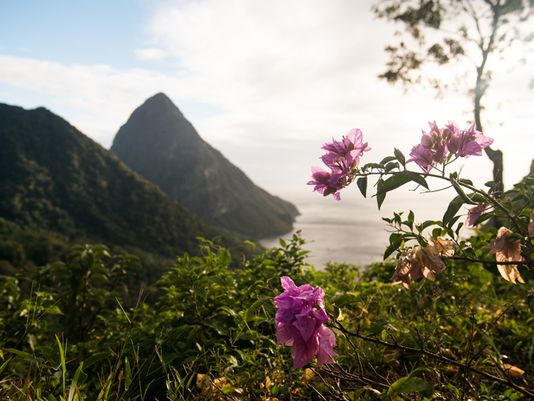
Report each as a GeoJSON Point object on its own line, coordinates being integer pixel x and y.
{"type": "Point", "coordinates": [423, 157]}
{"type": "Point", "coordinates": [506, 250]}
{"type": "Point", "coordinates": [328, 183]}
{"type": "Point", "coordinates": [426, 262]}
{"type": "Point", "coordinates": [436, 141]}
{"type": "Point", "coordinates": [438, 145]}
{"type": "Point", "coordinates": [469, 142]}
{"type": "Point", "coordinates": [341, 157]}
{"type": "Point", "coordinates": [345, 154]}
{"type": "Point", "coordinates": [474, 213]}
{"type": "Point", "coordinates": [300, 318]}
{"type": "Point", "coordinates": [433, 148]}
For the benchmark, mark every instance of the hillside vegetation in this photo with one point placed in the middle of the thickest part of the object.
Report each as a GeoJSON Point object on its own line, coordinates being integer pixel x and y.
{"type": "Point", "coordinates": [69, 333]}
{"type": "Point", "coordinates": [55, 179]}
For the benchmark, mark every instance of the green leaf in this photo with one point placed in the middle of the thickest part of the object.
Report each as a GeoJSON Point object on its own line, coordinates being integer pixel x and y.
{"type": "Point", "coordinates": [387, 159]}
{"type": "Point", "coordinates": [63, 364]}
{"type": "Point", "coordinates": [380, 193]}
{"type": "Point", "coordinates": [426, 224]}
{"type": "Point", "coordinates": [477, 198]}
{"type": "Point", "coordinates": [225, 310]}
{"type": "Point", "coordinates": [484, 217]}
{"type": "Point", "coordinates": [391, 166]}
{"type": "Point", "coordinates": [401, 178]}
{"type": "Point", "coordinates": [4, 365]}
{"type": "Point", "coordinates": [465, 181]}
{"type": "Point", "coordinates": [227, 389]}
{"type": "Point", "coordinates": [452, 209]}
{"type": "Point", "coordinates": [459, 190]}
{"type": "Point", "coordinates": [74, 383]}
{"type": "Point", "coordinates": [22, 354]}
{"type": "Point", "coordinates": [395, 237]}
{"type": "Point", "coordinates": [253, 309]}
{"type": "Point", "coordinates": [54, 310]}
{"type": "Point", "coordinates": [96, 358]}
{"type": "Point", "coordinates": [411, 218]}
{"type": "Point", "coordinates": [397, 180]}
{"type": "Point", "coordinates": [370, 166]}
{"type": "Point", "coordinates": [411, 384]}
{"type": "Point", "coordinates": [400, 157]}
{"type": "Point", "coordinates": [127, 374]}
{"type": "Point", "coordinates": [458, 228]}
{"type": "Point", "coordinates": [362, 185]}
{"type": "Point", "coordinates": [377, 327]}
{"type": "Point", "coordinates": [436, 232]}
{"type": "Point", "coordinates": [395, 241]}
{"type": "Point", "coordinates": [419, 179]}
{"type": "Point", "coordinates": [345, 299]}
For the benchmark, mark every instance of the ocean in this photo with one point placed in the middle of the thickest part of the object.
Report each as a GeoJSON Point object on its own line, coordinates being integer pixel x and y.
{"type": "Point", "coordinates": [352, 230]}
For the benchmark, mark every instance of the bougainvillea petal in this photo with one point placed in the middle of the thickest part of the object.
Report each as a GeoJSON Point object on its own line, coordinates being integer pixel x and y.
{"type": "Point", "coordinates": [300, 318]}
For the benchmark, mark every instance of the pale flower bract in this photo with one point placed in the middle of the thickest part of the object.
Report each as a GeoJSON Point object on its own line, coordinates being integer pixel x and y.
{"type": "Point", "coordinates": [506, 250]}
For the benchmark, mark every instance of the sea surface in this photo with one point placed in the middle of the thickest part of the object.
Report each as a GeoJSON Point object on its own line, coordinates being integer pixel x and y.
{"type": "Point", "coordinates": [352, 230]}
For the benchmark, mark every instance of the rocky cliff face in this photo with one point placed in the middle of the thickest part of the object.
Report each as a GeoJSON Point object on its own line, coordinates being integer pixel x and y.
{"type": "Point", "coordinates": [161, 145]}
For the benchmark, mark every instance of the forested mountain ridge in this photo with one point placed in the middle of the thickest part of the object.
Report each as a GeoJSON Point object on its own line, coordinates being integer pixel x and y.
{"type": "Point", "coordinates": [53, 177]}
{"type": "Point", "coordinates": [159, 143]}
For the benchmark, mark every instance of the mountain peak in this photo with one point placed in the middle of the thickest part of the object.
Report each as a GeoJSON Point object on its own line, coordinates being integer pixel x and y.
{"type": "Point", "coordinates": [168, 151]}
{"type": "Point", "coordinates": [160, 103]}
{"type": "Point", "coordinates": [157, 124]}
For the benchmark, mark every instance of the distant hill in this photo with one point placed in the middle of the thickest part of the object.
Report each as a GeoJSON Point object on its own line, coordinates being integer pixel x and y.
{"type": "Point", "coordinates": [52, 177]}
{"type": "Point", "coordinates": [160, 144]}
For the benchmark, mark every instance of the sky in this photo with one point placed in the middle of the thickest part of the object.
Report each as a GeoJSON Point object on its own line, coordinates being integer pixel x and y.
{"type": "Point", "coordinates": [265, 82]}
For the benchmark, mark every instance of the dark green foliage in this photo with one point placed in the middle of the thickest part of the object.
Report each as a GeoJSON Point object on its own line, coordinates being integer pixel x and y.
{"type": "Point", "coordinates": [210, 320]}
{"type": "Point", "coordinates": [24, 249]}
{"type": "Point", "coordinates": [53, 178]}
{"type": "Point", "coordinates": [468, 315]}
{"type": "Point", "coordinates": [161, 145]}
{"type": "Point", "coordinates": [210, 335]}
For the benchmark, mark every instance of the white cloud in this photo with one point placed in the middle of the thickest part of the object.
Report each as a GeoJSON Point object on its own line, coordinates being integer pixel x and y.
{"type": "Point", "coordinates": [286, 76]}
{"type": "Point", "coordinates": [150, 54]}
{"type": "Point", "coordinates": [306, 70]}
{"type": "Point", "coordinates": [95, 98]}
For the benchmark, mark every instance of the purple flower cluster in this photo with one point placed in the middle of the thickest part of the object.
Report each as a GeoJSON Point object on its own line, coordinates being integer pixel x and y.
{"type": "Point", "coordinates": [300, 318]}
{"type": "Point", "coordinates": [341, 158]}
{"type": "Point", "coordinates": [441, 144]}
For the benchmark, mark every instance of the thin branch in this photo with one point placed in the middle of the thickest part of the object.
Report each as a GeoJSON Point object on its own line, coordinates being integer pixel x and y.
{"type": "Point", "coordinates": [489, 376]}
{"type": "Point", "coordinates": [341, 373]}
{"type": "Point", "coordinates": [332, 389]}
{"type": "Point", "coordinates": [477, 23]}
{"type": "Point", "coordinates": [428, 191]}
{"type": "Point", "coordinates": [527, 263]}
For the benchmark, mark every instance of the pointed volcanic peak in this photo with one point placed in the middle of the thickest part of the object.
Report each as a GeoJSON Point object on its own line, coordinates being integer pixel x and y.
{"type": "Point", "coordinates": [157, 122]}
{"type": "Point", "coordinates": [161, 145]}
{"type": "Point", "coordinates": [52, 177]}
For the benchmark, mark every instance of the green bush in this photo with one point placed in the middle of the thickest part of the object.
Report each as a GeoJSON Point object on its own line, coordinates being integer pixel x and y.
{"type": "Point", "coordinates": [75, 332]}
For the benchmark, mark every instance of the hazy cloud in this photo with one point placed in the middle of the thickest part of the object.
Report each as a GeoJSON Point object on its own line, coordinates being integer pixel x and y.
{"type": "Point", "coordinates": [283, 77]}
{"type": "Point", "coordinates": [150, 54]}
